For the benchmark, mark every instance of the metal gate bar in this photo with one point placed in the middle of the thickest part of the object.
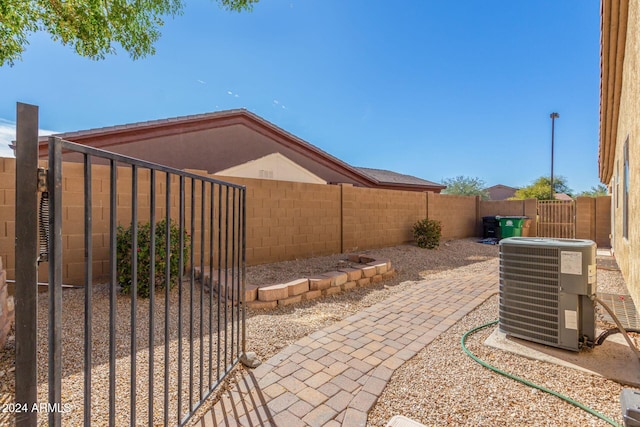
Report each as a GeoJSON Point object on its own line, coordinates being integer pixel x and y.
{"type": "Point", "coordinates": [226, 233]}
{"type": "Point", "coordinates": [26, 292]}
{"type": "Point", "coordinates": [55, 277]}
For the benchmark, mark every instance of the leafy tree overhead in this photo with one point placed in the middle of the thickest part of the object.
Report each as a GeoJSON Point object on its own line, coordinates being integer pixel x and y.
{"type": "Point", "coordinates": [92, 28]}
{"type": "Point", "coordinates": [541, 188]}
{"type": "Point", "coordinates": [466, 186]}
{"type": "Point", "coordinates": [596, 191]}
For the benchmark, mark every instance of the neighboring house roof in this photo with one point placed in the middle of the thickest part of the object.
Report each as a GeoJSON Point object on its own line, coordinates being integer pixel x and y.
{"type": "Point", "coordinates": [390, 177]}
{"type": "Point", "coordinates": [501, 192]}
{"type": "Point", "coordinates": [222, 140]}
{"type": "Point", "coordinates": [613, 30]}
{"type": "Point", "coordinates": [562, 196]}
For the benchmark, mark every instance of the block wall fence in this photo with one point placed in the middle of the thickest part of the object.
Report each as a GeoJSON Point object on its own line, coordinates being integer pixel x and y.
{"type": "Point", "coordinates": [285, 220]}
{"type": "Point", "coordinates": [7, 311]}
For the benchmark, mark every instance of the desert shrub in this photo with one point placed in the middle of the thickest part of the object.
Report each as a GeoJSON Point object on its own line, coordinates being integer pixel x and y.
{"type": "Point", "coordinates": [124, 242]}
{"type": "Point", "coordinates": [427, 233]}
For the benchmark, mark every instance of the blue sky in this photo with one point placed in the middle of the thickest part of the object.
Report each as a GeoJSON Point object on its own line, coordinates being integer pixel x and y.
{"type": "Point", "coordinates": [426, 88]}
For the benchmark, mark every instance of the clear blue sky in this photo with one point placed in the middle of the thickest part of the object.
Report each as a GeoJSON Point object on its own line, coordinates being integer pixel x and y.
{"type": "Point", "coordinates": [434, 89]}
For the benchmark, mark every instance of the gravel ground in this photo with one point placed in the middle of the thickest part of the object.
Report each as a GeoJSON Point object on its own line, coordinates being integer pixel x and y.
{"type": "Point", "coordinates": [441, 385]}
{"type": "Point", "coordinates": [444, 386]}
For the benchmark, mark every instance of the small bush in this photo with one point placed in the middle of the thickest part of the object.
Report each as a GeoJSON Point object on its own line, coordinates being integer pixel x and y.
{"type": "Point", "coordinates": [427, 233]}
{"type": "Point", "coordinates": [144, 256]}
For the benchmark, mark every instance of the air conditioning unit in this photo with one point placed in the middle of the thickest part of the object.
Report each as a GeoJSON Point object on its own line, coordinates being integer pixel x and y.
{"type": "Point", "coordinates": [545, 286]}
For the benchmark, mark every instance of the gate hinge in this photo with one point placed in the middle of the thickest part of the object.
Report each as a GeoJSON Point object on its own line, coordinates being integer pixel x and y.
{"type": "Point", "coordinates": [42, 180]}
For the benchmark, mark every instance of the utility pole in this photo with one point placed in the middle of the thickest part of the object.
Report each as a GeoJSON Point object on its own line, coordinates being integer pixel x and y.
{"type": "Point", "coordinates": [553, 116]}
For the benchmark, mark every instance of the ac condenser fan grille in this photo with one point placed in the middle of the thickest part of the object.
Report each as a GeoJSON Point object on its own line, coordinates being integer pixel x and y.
{"type": "Point", "coordinates": [529, 293]}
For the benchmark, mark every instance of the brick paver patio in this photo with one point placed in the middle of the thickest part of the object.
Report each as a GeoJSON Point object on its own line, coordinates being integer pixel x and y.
{"type": "Point", "coordinates": [334, 376]}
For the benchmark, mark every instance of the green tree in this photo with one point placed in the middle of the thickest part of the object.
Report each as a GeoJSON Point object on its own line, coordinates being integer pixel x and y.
{"type": "Point", "coordinates": [466, 186]}
{"type": "Point", "coordinates": [91, 27]}
{"type": "Point", "coordinates": [541, 188]}
{"type": "Point", "coordinates": [596, 191]}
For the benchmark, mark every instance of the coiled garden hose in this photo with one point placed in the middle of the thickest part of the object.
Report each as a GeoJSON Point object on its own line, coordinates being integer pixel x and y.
{"type": "Point", "coordinates": [528, 383]}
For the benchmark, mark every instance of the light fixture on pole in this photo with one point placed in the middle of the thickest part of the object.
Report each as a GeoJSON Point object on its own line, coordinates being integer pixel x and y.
{"type": "Point", "coordinates": [553, 116]}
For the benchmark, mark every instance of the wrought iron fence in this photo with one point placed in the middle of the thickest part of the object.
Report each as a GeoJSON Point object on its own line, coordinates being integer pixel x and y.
{"type": "Point", "coordinates": [150, 356]}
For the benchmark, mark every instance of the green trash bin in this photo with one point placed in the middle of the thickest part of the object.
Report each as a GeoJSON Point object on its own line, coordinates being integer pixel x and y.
{"type": "Point", "coordinates": [511, 226]}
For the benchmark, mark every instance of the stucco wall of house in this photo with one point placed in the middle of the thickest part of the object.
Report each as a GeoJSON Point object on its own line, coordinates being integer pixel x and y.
{"type": "Point", "coordinates": [273, 166]}
{"type": "Point", "coordinates": [627, 249]}
{"type": "Point", "coordinates": [216, 149]}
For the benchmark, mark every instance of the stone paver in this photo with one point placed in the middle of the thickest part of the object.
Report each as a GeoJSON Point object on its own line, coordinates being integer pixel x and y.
{"type": "Point", "coordinates": [334, 376]}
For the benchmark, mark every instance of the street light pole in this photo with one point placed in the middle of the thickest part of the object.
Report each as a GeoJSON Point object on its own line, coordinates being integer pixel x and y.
{"type": "Point", "coordinates": [553, 116]}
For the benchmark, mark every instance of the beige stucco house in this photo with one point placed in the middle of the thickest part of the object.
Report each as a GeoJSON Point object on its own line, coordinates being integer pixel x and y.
{"type": "Point", "coordinates": [619, 150]}
{"type": "Point", "coordinates": [236, 143]}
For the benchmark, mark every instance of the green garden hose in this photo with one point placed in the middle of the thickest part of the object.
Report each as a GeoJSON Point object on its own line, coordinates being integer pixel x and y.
{"type": "Point", "coordinates": [523, 381]}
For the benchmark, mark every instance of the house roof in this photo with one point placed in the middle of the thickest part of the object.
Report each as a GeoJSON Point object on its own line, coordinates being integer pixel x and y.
{"type": "Point", "coordinates": [562, 196]}
{"type": "Point", "coordinates": [501, 192]}
{"type": "Point", "coordinates": [613, 30]}
{"type": "Point", "coordinates": [501, 186]}
{"type": "Point", "coordinates": [390, 177]}
{"type": "Point", "coordinates": [113, 136]}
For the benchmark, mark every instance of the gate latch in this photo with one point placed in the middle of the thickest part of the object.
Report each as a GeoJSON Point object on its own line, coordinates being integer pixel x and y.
{"type": "Point", "coordinates": [42, 180]}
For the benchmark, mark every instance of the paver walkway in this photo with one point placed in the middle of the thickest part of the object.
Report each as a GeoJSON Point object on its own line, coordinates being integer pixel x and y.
{"type": "Point", "coordinates": [334, 376]}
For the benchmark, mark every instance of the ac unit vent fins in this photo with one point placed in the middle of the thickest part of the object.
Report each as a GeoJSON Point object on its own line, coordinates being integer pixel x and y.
{"type": "Point", "coordinates": [529, 292]}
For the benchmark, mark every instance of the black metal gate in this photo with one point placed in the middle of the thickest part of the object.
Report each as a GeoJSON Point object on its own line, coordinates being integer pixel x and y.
{"type": "Point", "coordinates": [112, 357]}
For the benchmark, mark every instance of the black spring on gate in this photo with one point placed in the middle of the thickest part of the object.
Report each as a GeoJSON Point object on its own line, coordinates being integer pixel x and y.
{"type": "Point", "coordinates": [43, 225]}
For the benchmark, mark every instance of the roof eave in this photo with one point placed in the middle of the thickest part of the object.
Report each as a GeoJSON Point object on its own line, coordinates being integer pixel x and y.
{"type": "Point", "coordinates": [409, 187]}
{"type": "Point", "coordinates": [613, 26]}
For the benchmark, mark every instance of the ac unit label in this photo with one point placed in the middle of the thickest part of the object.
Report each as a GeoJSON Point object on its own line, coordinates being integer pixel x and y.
{"type": "Point", "coordinates": [571, 319]}
{"type": "Point", "coordinates": [571, 262]}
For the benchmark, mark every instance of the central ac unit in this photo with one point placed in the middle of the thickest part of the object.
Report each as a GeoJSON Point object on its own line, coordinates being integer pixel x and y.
{"type": "Point", "coordinates": [545, 289]}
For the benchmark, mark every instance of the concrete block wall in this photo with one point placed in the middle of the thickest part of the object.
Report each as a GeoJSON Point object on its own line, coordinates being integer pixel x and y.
{"type": "Point", "coordinates": [502, 207]}
{"type": "Point", "coordinates": [285, 220]}
{"type": "Point", "coordinates": [7, 213]}
{"type": "Point", "coordinates": [7, 312]}
{"type": "Point", "coordinates": [585, 218]}
{"type": "Point", "coordinates": [458, 214]}
{"type": "Point", "coordinates": [73, 214]}
{"type": "Point", "coordinates": [593, 219]}
{"type": "Point", "coordinates": [602, 235]}
{"type": "Point", "coordinates": [289, 220]}
{"type": "Point", "coordinates": [375, 218]}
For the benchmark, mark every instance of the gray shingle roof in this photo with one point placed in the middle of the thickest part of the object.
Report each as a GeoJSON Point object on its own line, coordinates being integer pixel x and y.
{"type": "Point", "coordinates": [391, 177]}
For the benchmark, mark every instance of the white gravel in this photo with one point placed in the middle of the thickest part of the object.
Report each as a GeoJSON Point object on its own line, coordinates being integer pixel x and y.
{"type": "Point", "coordinates": [439, 386]}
